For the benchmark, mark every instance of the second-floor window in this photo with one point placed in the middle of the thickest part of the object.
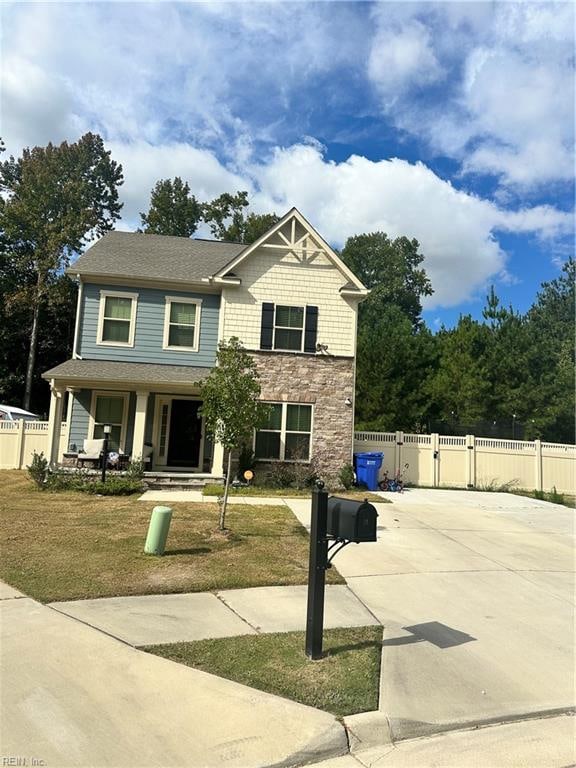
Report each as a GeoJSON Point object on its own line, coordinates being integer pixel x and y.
{"type": "Point", "coordinates": [182, 324]}
{"type": "Point", "coordinates": [289, 328]}
{"type": "Point", "coordinates": [117, 318]}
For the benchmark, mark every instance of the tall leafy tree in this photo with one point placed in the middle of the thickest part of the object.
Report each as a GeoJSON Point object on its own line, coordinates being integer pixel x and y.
{"type": "Point", "coordinates": [231, 405]}
{"type": "Point", "coordinates": [550, 328]}
{"type": "Point", "coordinates": [460, 387]}
{"type": "Point", "coordinates": [395, 353]}
{"type": "Point", "coordinates": [54, 199]}
{"type": "Point", "coordinates": [391, 269]}
{"type": "Point", "coordinates": [228, 221]}
{"type": "Point", "coordinates": [173, 210]}
{"type": "Point", "coordinates": [394, 363]}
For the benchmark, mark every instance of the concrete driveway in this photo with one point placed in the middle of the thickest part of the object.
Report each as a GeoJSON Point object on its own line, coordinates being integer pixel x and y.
{"type": "Point", "coordinates": [476, 595]}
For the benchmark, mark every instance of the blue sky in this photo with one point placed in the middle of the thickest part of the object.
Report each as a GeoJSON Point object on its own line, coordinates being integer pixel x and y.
{"type": "Point", "coordinates": [449, 122]}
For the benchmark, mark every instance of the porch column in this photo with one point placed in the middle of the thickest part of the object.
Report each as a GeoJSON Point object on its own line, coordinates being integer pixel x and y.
{"type": "Point", "coordinates": [55, 424]}
{"type": "Point", "coordinates": [72, 391]}
{"type": "Point", "coordinates": [218, 460]}
{"type": "Point", "coordinates": [139, 425]}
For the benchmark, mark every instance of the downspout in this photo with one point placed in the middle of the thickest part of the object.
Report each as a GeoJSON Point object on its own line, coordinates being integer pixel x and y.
{"type": "Point", "coordinates": [75, 355]}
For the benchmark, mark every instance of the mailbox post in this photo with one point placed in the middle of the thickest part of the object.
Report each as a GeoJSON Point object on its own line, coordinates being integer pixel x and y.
{"type": "Point", "coordinates": [340, 521]}
{"type": "Point", "coordinates": [317, 572]}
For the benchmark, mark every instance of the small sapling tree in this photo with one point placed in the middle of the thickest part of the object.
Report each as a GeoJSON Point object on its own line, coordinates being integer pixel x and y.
{"type": "Point", "coordinates": [231, 406]}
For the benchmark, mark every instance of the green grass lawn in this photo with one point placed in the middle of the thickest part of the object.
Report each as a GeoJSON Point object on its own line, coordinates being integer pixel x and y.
{"type": "Point", "coordinates": [344, 682]}
{"type": "Point", "coordinates": [67, 546]}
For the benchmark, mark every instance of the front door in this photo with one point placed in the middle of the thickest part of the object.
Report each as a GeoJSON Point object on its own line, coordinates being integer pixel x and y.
{"type": "Point", "coordinates": [185, 434]}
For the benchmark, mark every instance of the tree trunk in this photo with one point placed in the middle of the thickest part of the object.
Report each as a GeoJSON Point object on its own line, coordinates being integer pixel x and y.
{"type": "Point", "coordinates": [33, 347]}
{"type": "Point", "coordinates": [225, 499]}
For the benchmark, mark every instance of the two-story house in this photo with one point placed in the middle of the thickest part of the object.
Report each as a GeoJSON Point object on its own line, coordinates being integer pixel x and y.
{"type": "Point", "coordinates": [151, 311]}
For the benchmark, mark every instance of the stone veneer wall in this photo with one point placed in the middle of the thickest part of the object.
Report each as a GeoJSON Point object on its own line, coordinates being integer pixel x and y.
{"type": "Point", "coordinates": [325, 382]}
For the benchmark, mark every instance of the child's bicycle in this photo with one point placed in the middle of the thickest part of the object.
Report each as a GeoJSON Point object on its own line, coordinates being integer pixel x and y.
{"type": "Point", "coordinates": [395, 483]}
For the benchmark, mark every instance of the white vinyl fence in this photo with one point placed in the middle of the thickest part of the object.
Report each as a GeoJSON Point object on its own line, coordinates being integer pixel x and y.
{"type": "Point", "coordinates": [19, 439]}
{"type": "Point", "coordinates": [473, 462]}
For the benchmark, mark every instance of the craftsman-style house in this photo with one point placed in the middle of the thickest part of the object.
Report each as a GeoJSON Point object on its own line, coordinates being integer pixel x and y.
{"type": "Point", "coordinates": [151, 311]}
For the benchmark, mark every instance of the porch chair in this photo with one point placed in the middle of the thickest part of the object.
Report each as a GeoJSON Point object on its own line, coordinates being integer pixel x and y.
{"type": "Point", "coordinates": [92, 451]}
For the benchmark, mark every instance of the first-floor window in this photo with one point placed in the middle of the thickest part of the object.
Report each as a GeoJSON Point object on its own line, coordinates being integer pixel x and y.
{"type": "Point", "coordinates": [109, 409]}
{"type": "Point", "coordinates": [286, 434]}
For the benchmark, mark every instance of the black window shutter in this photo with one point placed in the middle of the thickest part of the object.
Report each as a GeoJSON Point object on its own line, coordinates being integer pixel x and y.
{"type": "Point", "coordinates": [267, 327]}
{"type": "Point", "coordinates": [311, 329]}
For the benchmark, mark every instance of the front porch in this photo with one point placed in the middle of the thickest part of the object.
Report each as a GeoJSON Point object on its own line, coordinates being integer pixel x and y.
{"type": "Point", "coordinates": [157, 420]}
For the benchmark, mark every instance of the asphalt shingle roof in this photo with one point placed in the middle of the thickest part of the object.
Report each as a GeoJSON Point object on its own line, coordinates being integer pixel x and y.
{"type": "Point", "coordinates": [132, 254]}
{"type": "Point", "coordinates": [132, 373]}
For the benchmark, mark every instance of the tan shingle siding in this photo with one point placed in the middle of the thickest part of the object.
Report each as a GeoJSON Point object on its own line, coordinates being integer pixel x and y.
{"type": "Point", "coordinates": [267, 275]}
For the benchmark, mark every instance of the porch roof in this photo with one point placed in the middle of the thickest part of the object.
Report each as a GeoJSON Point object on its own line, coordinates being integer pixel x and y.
{"type": "Point", "coordinates": [79, 371]}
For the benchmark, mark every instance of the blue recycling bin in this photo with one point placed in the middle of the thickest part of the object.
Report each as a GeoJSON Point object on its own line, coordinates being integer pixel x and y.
{"type": "Point", "coordinates": [368, 468]}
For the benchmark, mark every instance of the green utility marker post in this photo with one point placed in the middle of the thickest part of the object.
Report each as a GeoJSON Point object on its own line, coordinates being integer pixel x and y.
{"type": "Point", "coordinates": [158, 531]}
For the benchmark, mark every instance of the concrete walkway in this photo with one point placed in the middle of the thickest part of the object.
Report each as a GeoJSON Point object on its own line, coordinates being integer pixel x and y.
{"type": "Point", "coordinates": [155, 619]}
{"type": "Point", "coordinates": [166, 496]}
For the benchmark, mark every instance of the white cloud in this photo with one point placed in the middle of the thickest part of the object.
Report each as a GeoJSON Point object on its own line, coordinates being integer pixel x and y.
{"type": "Point", "coordinates": [144, 164]}
{"type": "Point", "coordinates": [508, 104]}
{"type": "Point", "coordinates": [456, 230]}
{"type": "Point", "coordinates": [196, 89]}
{"type": "Point", "coordinates": [34, 105]}
{"type": "Point", "coordinates": [402, 58]}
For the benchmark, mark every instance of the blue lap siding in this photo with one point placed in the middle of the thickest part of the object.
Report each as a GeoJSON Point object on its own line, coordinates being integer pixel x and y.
{"type": "Point", "coordinates": [149, 332]}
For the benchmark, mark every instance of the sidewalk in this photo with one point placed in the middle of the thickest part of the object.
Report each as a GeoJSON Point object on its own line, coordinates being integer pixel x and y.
{"type": "Point", "coordinates": [156, 619]}
{"type": "Point", "coordinates": [73, 696]}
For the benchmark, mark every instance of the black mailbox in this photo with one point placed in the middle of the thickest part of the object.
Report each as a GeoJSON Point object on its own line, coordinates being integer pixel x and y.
{"type": "Point", "coordinates": [351, 520]}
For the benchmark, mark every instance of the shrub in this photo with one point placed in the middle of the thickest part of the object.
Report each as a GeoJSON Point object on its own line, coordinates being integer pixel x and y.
{"type": "Point", "coordinates": [555, 497]}
{"type": "Point", "coordinates": [114, 486]}
{"type": "Point", "coordinates": [38, 469]}
{"type": "Point", "coordinates": [135, 469]}
{"type": "Point", "coordinates": [280, 475]}
{"type": "Point", "coordinates": [85, 483]}
{"type": "Point", "coordinates": [295, 474]}
{"type": "Point", "coordinates": [346, 476]}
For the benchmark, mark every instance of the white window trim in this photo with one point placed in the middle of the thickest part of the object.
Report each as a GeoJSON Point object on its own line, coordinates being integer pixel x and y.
{"type": "Point", "coordinates": [289, 328]}
{"type": "Point", "coordinates": [92, 417]}
{"type": "Point", "coordinates": [122, 295]}
{"type": "Point", "coordinates": [283, 433]}
{"type": "Point", "coordinates": [181, 300]}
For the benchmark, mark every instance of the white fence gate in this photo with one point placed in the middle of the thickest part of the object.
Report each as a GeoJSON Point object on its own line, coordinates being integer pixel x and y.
{"type": "Point", "coordinates": [19, 439]}
{"type": "Point", "coordinates": [473, 462]}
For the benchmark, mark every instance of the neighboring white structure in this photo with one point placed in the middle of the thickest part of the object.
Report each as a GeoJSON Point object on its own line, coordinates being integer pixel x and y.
{"type": "Point", "coordinates": [11, 413]}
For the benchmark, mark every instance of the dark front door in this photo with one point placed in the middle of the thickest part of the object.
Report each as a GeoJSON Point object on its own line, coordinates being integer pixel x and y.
{"type": "Point", "coordinates": [185, 434]}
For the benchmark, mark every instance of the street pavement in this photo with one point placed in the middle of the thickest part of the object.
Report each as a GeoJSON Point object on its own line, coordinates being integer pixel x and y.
{"type": "Point", "coordinates": [475, 593]}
